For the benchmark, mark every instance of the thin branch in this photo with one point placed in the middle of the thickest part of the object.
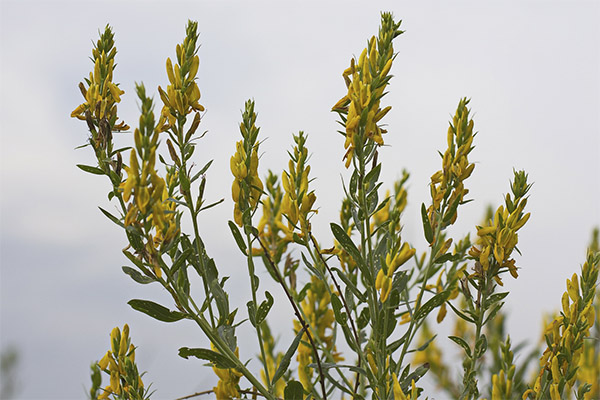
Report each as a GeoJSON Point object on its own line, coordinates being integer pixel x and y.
{"type": "Point", "coordinates": [339, 289]}
{"type": "Point", "coordinates": [305, 326]}
{"type": "Point", "coordinates": [247, 391]}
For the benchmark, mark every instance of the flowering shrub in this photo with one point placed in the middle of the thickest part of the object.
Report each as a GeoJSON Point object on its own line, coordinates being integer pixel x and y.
{"type": "Point", "coordinates": [371, 293]}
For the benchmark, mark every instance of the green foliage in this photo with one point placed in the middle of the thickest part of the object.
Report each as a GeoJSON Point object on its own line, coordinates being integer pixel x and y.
{"type": "Point", "coordinates": [372, 285]}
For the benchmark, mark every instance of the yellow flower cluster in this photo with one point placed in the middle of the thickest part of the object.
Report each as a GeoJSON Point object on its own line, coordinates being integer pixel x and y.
{"type": "Point", "coordinates": [498, 238]}
{"type": "Point", "coordinates": [102, 94]}
{"type": "Point", "coordinates": [229, 379]}
{"type": "Point", "coordinates": [394, 258]}
{"type": "Point", "coordinates": [119, 363]}
{"type": "Point", "coordinates": [297, 200]}
{"type": "Point", "coordinates": [318, 314]}
{"type": "Point", "coordinates": [366, 81]}
{"type": "Point", "coordinates": [183, 94]}
{"type": "Point", "coordinates": [247, 186]}
{"type": "Point", "coordinates": [144, 187]}
{"type": "Point", "coordinates": [566, 333]}
{"type": "Point", "coordinates": [447, 187]}
{"type": "Point", "coordinates": [271, 227]}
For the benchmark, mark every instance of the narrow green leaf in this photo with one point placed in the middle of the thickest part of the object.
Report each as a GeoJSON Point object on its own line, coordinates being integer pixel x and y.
{"type": "Point", "coordinates": [221, 299]}
{"type": "Point", "coordinates": [219, 360]}
{"type": "Point", "coordinates": [227, 333]}
{"type": "Point", "coordinates": [340, 316]}
{"type": "Point", "coordinates": [137, 276]}
{"type": "Point", "coordinates": [480, 346]}
{"type": "Point", "coordinates": [293, 391]}
{"type": "Point", "coordinates": [432, 303]}
{"type": "Point", "coordinates": [251, 312]}
{"type": "Point", "coordinates": [112, 217]}
{"type": "Point", "coordinates": [264, 308]}
{"type": "Point", "coordinates": [451, 211]}
{"type": "Point", "coordinates": [496, 297]}
{"type": "Point", "coordinates": [285, 361]}
{"type": "Point", "coordinates": [392, 347]}
{"type": "Point", "coordinates": [426, 224]}
{"type": "Point", "coordinates": [156, 311]}
{"type": "Point", "coordinates": [493, 313]}
{"type": "Point", "coordinates": [136, 261]}
{"type": "Point", "coordinates": [350, 285]}
{"type": "Point", "coordinates": [205, 168]}
{"type": "Point", "coordinates": [134, 239]}
{"type": "Point", "coordinates": [424, 345]}
{"type": "Point", "coordinates": [90, 169]}
{"type": "Point", "coordinates": [415, 375]}
{"type": "Point", "coordinates": [461, 314]}
{"type": "Point", "coordinates": [363, 318]}
{"type": "Point", "coordinates": [237, 236]}
{"type": "Point", "coordinates": [211, 205]}
{"type": "Point", "coordinates": [181, 260]}
{"type": "Point", "coordinates": [348, 245]}
{"type": "Point", "coordinates": [446, 257]}
{"type": "Point", "coordinates": [461, 342]}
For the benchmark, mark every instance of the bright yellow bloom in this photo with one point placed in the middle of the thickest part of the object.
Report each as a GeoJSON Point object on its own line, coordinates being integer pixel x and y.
{"type": "Point", "coordinates": [247, 188]}
{"type": "Point", "coordinates": [182, 94]}
{"type": "Point", "coordinates": [229, 378]}
{"type": "Point", "coordinates": [366, 80]}
{"type": "Point", "coordinates": [298, 201]}
{"type": "Point", "coordinates": [102, 94]}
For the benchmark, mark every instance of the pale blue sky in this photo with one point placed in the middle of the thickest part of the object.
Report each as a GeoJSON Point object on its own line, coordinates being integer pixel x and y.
{"type": "Point", "coordinates": [532, 70]}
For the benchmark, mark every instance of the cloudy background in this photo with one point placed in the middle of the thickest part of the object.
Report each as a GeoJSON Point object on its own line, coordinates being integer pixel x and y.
{"type": "Point", "coordinates": [531, 69]}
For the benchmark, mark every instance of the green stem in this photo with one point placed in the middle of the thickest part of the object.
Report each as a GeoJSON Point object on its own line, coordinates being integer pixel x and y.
{"type": "Point", "coordinates": [301, 319]}
{"type": "Point", "coordinates": [343, 299]}
{"type": "Point", "coordinates": [189, 201]}
{"type": "Point", "coordinates": [224, 349]}
{"type": "Point", "coordinates": [253, 288]}
{"type": "Point", "coordinates": [471, 383]}
{"type": "Point", "coordinates": [414, 325]}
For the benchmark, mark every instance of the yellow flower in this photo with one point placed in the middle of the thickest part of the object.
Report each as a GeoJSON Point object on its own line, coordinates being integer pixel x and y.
{"type": "Point", "coordinates": [298, 201]}
{"type": "Point", "coordinates": [182, 94]}
{"type": "Point", "coordinates": [229, 378]}
{"type": "Point", "coordinates": [102, 94]}
{"type": "Point", "coordinates": [366, 80]}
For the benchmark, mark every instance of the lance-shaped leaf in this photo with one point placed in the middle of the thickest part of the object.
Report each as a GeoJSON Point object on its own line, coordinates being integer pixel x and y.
{"type": "Point", "coordinates": [348, 245]}
{"type": "Point", "coordinates": [237, 236]}
{"type": "Point", "coordinates": [90, 169]}
{"type": "Point", "coordinates": [432, 303]}
{"type": "Point", "coordinates": [461, 342]}
{"type": "Point", "coordinates": [264, 308]}
{"type": "Point", "coordinates": [137, 276]}
{"type": "Point", "coordinates": [337, 305]}
{"type": "Point", "coordinates": [426, 224]}
{"type": "Point", "coordinates": [285, 361]}
{"type": "Point", "coordinates": [112, 217]}
{"type": "Point", "coordinates": [156, 311]}
{"type": "Point", "coordinates": [219, 360]}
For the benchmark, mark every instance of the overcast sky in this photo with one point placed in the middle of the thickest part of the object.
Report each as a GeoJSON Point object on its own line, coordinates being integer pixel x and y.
{"type": "Point", "coordinates": [532, 70]}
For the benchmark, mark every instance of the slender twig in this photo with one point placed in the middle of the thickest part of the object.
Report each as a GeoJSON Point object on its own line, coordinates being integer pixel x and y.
{"type": "Point", "coordinates": [246, 391]}
{"type": "Point", "coordinates": [305, 326]}
{"type": "Point", "coordinates": [342, 297]}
